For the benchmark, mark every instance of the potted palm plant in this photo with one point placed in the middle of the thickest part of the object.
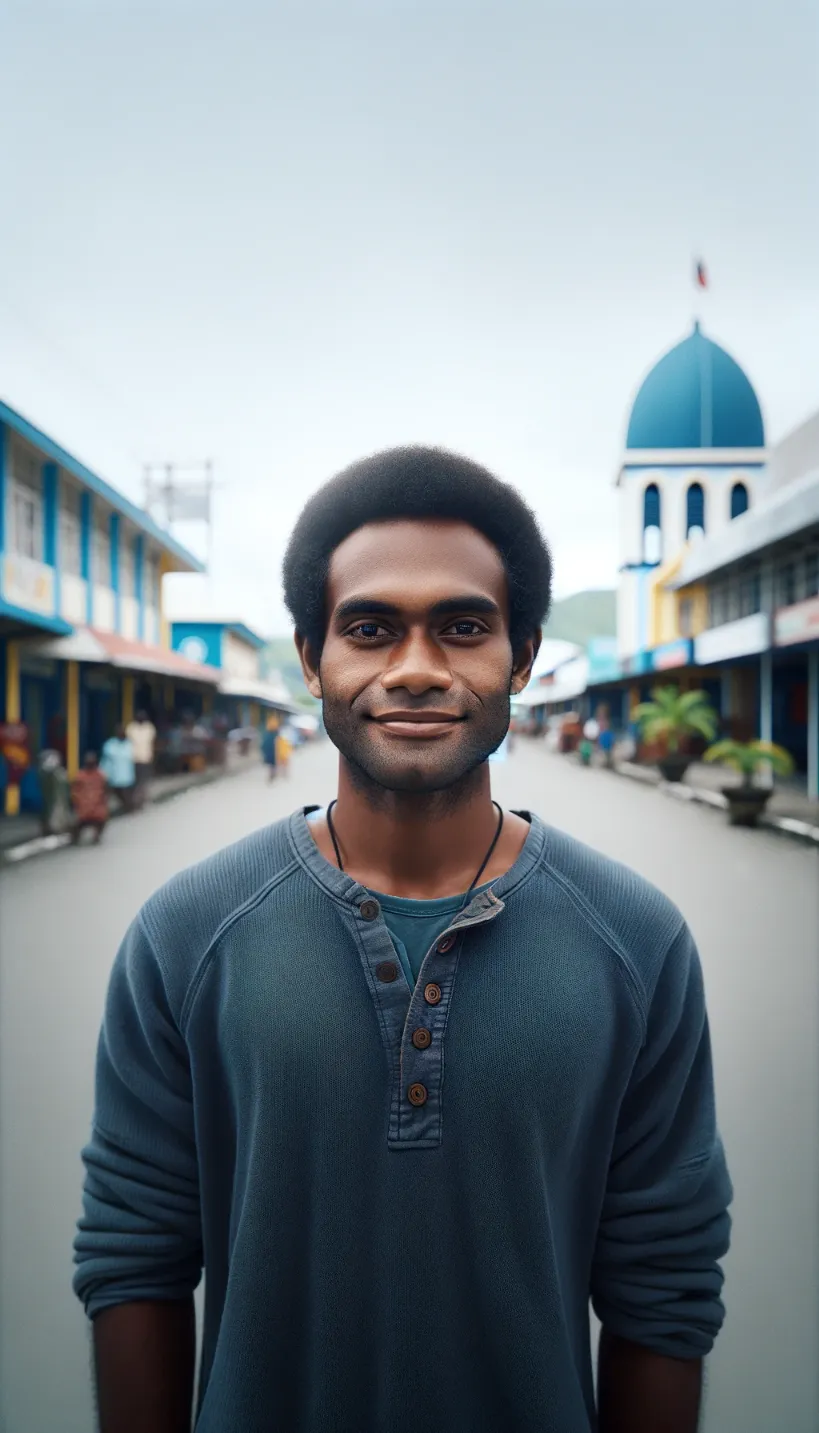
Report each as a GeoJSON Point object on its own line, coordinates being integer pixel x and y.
{"type": "Point", "coordinates": [747, 800]}
{"type": "Point", "coordinates": [670, 717]}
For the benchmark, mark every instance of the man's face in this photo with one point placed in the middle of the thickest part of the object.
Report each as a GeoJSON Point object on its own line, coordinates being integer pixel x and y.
{"type": "Point", "coordinates": [416, 671]}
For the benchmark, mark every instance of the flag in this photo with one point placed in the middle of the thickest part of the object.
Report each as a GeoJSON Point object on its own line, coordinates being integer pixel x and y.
{"type": "Point", "coordinates": [700, 275]}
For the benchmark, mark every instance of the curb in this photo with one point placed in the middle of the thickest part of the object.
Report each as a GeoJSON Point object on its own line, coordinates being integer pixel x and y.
{"type": "Point", "coordinates": [787, 825]}
{"type": "Point", "coordinates": [44, 845]}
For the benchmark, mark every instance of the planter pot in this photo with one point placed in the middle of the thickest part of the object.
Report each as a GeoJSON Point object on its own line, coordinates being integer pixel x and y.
{"type": "Point", "coordinates": [745, 803]}
{"type": "Point", "coordinates": [674, 765]}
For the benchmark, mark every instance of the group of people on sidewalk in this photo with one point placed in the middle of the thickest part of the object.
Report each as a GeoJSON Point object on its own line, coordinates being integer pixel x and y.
{"type": "Point", "coordinates": [123, 769]}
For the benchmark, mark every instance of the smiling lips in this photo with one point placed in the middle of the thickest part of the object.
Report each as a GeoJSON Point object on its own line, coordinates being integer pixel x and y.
{"type": "Point", "coordinates": [418, 726]}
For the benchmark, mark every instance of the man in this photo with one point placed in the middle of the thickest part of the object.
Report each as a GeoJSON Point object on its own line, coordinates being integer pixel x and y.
{"type": "Point", "coordinates": [141, 733]}
{"type": "Point", "coordinates": [412, 1077]}
{"type": "Point", "coordinates": [89, 798]}
{"type": "Point", "coordinates": [118, 768]}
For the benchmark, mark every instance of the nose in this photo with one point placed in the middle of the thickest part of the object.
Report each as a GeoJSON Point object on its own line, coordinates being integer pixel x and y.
{"type": "Point", "coordinates": [418, 666]}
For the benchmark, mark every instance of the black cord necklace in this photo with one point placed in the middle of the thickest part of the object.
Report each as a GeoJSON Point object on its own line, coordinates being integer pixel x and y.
{"type": "Point", "coordinates": [482, 867]}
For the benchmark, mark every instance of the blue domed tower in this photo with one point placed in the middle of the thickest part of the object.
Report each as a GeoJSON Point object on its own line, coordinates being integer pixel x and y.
{"type": "Point", "coordinates": [694, 460]}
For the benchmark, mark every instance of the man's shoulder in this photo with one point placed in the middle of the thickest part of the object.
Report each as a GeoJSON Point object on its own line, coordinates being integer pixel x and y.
{"type": "Point", "coordinates": [636, 918]}
{"type": "Point", "coordinates": [194, 906]}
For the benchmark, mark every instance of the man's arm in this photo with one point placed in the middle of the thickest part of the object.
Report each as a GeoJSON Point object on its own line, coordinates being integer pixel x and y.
{"type": "Point", "coordinates": [138, 1248]}
{"type": "Point", "coordinates": [656, 1278]}
{"type": "Point", "coordinates": [639, 1391]}
{"type": "Point", "coordinates": [144, 1357]}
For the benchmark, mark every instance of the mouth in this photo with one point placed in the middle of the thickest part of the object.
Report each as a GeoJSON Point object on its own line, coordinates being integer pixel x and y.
{"type": "Point", "coordinates": [417, 726]}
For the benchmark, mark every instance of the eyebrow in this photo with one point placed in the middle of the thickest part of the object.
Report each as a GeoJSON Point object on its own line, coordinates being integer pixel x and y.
{"type": "Point", "coordinates": [448, 607]}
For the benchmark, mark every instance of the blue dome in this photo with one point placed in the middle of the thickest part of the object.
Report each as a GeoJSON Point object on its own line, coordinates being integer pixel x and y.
{"type": "Point", "coordinates": [696, 397]}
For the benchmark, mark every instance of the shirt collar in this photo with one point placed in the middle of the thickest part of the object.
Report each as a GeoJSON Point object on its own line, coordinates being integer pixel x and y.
{"type": "Point", "coordinates": [343, 887]}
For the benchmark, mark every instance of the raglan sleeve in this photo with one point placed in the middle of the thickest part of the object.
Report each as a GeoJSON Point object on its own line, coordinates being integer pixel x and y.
{"type": "Point", "coordinates": [656, 1275]}
{"type": "Point", "coordinates": [139, 1235]}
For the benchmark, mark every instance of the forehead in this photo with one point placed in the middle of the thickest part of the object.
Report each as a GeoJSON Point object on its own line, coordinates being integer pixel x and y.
{"type": "Point", "coordinates": [413, 562]}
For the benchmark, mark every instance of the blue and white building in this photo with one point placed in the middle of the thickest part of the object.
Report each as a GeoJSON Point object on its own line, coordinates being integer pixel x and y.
{"type": "Point", "coordinates": [234, 650]}
{"type": "Point", "coordinates": [82, 632]}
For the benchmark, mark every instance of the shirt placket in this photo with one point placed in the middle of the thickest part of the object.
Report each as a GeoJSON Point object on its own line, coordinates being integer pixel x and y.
{"type": "Point", "coordinates": [413, 1021]}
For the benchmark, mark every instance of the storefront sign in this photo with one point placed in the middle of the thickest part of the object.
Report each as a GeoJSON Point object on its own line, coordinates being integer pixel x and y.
{"type": "Point", "coordinates": [672, 654]}
{"type": "Point", "coordinates": [14, 748]}
{"type": "Point", "coordinates": [194, 649]}
{"type": "Point", "coordinates": [743, 638]}
{"type": "Point", "coordinates": [28, 584]}
{"type": "Point", "coordinates": [799, 623]}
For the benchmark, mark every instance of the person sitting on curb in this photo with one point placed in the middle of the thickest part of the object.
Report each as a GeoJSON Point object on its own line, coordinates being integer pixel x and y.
{"type": "Point", "coordinates": [89, 798]}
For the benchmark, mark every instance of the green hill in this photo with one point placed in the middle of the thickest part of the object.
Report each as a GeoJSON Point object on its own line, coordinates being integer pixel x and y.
{"type": "Point", "coordinates": [582, 616]}
{"type": "Point", "coordinates": [280, 656]}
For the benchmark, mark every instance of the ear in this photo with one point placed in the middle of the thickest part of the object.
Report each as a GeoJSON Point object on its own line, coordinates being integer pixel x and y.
{"type": "Point", "coordinates": [309, 665]}
{"type": "Point", "coordinates": [523, 663]}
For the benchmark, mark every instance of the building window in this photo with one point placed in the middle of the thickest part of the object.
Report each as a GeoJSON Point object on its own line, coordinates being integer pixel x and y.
{"type": "Point", "coordinates": [734, 597]}
{"type": "Point", "coordinates": [787, 584]}
{"type": "Point", "coordinates": [70, 525]}
{"type": "Point", "coordinates": [695, 512]}
{"type": "Point", "coordinates": [152, 581]}
{"type": "Point", "coordinates": [127, 567]}
{"type": "Point", "coordinates": [739, 500]}
{"type": "Point", "coordinates": [652, 525]}
{"type": "Point", "coordinates": [811, 573]}
{"type": "Point", "coordinates": [719, 604]}
{"type": "Point", "coordinates": [750, 594]}
{"type": "Point", "coordinates": [101, 555]}
{"type": "Point", "coordinates": [686, 617]}
{"type": "Point", "coordinates": [26, 536]}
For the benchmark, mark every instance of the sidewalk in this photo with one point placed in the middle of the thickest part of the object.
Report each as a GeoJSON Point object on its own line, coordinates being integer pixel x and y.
{"type": "Point", "coordinates": [789, 809]}
{"type": "Point", "coordinates": [20, 836]}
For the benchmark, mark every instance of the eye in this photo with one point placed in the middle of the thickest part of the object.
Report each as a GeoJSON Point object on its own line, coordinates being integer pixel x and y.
{"type": "Point", "coordinates": [465, 628]}
{"type": "Point", "coordinates": [368, 631]}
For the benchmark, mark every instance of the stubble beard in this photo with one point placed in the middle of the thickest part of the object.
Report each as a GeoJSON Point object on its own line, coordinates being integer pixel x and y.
{"type": "Point", "coordinates": [381, 774]}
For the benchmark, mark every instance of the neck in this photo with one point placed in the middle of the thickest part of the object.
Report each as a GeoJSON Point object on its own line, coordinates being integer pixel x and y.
{"type": "Point", "coordinates": [408, 843]}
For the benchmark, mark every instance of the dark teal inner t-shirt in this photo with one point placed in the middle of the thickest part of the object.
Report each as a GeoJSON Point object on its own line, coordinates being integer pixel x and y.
{"type": "Point", "coordinates": [414, 926]}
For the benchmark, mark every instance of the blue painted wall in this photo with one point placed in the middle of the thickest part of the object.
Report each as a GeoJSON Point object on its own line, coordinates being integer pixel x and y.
{"type": "Point", "coordinates": [3, 451]}
{"type": "Point", "coordinates": [86, 523]}
{"type": "Point", "coordinates": [51, 505]}
{"type": "Point", "coordinates": [139, 583]}
{"type": "Point", "coordinates": [113, 528]}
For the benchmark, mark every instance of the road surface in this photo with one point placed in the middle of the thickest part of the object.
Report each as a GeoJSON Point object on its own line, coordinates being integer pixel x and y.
{"type": "Point", "coordinates": [752, 900]}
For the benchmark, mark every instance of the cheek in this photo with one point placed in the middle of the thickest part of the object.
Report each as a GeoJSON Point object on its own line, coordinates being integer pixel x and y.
{"type": "Point", "coordinates": [486, 670]}
{"type": "Point", "coordinates": [346, 672]}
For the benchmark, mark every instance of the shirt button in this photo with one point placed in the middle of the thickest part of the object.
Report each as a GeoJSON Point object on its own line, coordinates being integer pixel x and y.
{"type": "Point", "coordinates": [432, 994]}
{"type": "Point", "coordinates": [417, 1094]}
{"type": "Point", "coordinates": [387, 970]}
{"type": "Point", "coordinates": [445, 945]}
{"type": "Point", "coordinates": [369, 910]}
{"type": "Point", "coordinates": [421, 1039]}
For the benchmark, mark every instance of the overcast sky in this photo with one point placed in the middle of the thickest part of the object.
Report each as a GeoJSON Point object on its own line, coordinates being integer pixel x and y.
{"type": "Point", "coordinates": [283, 236]}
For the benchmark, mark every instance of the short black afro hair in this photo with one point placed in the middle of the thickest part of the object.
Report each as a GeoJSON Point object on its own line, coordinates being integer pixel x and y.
{"type": "Point", "coordinates": [417, 482]}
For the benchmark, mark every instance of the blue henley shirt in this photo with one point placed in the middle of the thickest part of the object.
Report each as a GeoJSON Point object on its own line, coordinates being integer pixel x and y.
{"type": "Point", "coordinates": [403, 1230]}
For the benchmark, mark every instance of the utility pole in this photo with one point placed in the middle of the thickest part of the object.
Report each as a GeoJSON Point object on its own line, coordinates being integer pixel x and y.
{"type": "Point", "coordinates": [182, 501]}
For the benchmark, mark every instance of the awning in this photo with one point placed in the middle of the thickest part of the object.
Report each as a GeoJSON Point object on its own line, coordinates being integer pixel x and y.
{"type": "Point", "coordinates": [88, 644]}
{"type": "Point", "coordinates": [251, 689]}
{"type": "Point", "coordinates": [144, 657]}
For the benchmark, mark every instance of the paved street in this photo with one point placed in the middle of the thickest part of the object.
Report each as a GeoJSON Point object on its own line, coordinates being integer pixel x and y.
{"type": "Point", "coordinates": [752, 900]}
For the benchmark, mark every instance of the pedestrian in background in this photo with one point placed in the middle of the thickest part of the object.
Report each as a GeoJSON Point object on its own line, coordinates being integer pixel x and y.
{"type": "Point", "coordinates": [269, 747]}
{"type": "Point", "coordinates": [118, 767]}
{"type": "Point", "coordinates": [606, 741]}
{"type": "Point", "coordinates": [284, 748]}
{"type": "Point", "coordinates": [141, 733]}
{"type": "Point", "coordinates": [89, 798]}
